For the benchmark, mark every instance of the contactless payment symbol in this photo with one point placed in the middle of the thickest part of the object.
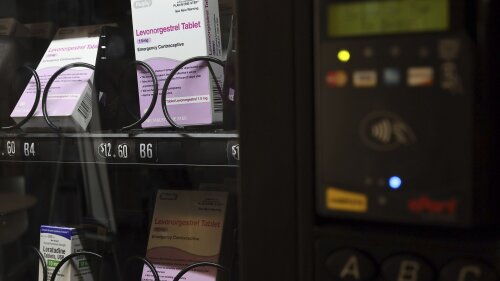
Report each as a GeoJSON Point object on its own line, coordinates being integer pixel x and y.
{"type": "Point", "coordinates": [336, 79]}
{"type": "Point", "coordinates": [384, 131]}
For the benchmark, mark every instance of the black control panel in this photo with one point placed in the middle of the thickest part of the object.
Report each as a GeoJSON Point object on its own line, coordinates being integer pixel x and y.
{"type": "Point", "coordinates": [398, 112]}
{"type": "Point", "coordinates": [394, 123]}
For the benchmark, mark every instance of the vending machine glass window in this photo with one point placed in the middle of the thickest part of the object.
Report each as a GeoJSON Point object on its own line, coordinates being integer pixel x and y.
{"type": "Point", "coordinates": [119, 149]}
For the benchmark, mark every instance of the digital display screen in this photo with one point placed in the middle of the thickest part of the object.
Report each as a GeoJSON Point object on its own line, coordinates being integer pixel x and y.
{"type": "Point", "coordinates": [359, 18]}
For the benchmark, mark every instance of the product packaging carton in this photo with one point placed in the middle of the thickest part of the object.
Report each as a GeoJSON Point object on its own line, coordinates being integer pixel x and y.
{"type": "Point", "coordinates": [55, 244]}
{"type": "Point", "coordinates": [166, 33]}
{"type": "Point", "coordinates": [187, 227]}
{"type": "Point", "coordinates": [69, 102]}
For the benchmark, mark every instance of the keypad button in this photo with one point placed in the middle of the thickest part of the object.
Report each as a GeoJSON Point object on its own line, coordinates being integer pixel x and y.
{"type": "Point", "coordinates": [406, 267]}
{"type": "Point", "coordinates": [351, 265]}
{"type": "Point", "coordinates": [467, 270]}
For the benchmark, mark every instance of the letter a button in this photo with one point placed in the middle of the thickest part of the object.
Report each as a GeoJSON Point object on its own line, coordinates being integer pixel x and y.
{"type": "Point", "coordinates": [350, 265]}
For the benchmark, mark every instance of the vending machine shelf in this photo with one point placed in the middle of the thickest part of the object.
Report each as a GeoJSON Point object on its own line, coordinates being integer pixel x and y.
{"type": "Point", "coordinates": [213, 148]}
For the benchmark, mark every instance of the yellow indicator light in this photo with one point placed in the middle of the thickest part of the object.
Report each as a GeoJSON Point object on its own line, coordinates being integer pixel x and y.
{"type": "Point", "coordinates": [344, 56]}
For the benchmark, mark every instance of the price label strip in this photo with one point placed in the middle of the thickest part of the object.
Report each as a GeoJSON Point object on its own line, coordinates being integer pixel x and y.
{"type": "Point", "coordinates": [146, 151]}
{"type": "Point", "coordinates": [103, 150]}
{"type": "Point", "coordinates": [124, 152]}
{"type": "Point", "coordinates": [11, 149]}
{"type": "Point", "coordinates": [31, 150]}
{"type": "Point", "coordinates": [233, 152]}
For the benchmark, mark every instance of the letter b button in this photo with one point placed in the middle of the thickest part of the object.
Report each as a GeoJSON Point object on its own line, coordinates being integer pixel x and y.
{"type": "Point", "coordinates": [407, 268]}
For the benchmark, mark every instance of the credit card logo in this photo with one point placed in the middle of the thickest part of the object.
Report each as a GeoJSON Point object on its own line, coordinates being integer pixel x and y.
{"type": "Point", "coordinates": [365, 79]}
{"type": "Point", "coordinates": [336, 79]}
{"type": "Point", "coordinates": [347, 201]}
{"type": "Point", "coordinates": [392, 76]}
{"type": "Point", "coordinates": [420, 76]}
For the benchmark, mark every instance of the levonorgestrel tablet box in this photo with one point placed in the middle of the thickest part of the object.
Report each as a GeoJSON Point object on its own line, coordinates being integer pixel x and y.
{"type": "Point", "coordinates": [166, 33]}
{"type": "Point", "coordinates": [187, 227]}
{"type": "Point", "coordinates": [55, 244]}
{"type": "Point", "coordinates": [69, 102]}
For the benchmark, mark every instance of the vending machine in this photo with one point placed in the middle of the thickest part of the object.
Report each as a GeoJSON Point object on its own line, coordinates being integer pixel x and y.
{"type": "Point", "coordinates": [347, 140]}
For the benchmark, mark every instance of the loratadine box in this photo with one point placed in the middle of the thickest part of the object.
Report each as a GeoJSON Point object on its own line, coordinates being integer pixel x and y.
{"type": "Point", "coordinates": [167, 32]}
{"type": "Point", "coordinates": [57, 243]}
{"type": "Point", "coordinates": [187, 227]}
{"type": "Point", "coordinates": [69, 102]}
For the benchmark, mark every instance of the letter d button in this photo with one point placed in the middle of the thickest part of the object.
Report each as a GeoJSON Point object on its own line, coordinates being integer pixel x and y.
{"type": "Point", "coordinates": [407, 268]}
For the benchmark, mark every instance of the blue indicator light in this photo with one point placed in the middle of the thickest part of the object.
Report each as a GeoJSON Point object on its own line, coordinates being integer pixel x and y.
{"type": "Point", "coordinates": [395, 182]}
